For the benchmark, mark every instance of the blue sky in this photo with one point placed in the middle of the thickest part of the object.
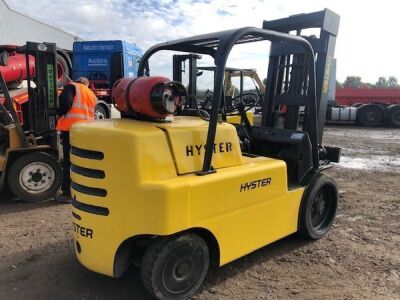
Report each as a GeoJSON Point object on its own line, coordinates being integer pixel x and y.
{"type": "Point", "coordinates": [367, 44]}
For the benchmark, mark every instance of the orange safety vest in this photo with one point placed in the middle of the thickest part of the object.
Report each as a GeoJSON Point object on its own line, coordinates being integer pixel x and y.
{"type": "Point", "coordinates": [82, 108]}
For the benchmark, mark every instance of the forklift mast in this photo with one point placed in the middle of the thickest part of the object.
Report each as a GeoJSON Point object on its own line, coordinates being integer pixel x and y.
{"type": "Point", "coordinates": [288, 78]}
{"type": "Point", "coordinates": [178, 65]}
{"type": "Point", "coordinates": [43, 96]}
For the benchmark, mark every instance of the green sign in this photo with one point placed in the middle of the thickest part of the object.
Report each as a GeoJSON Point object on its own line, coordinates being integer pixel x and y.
{"type": "Point", "coordinates": [50, 86]}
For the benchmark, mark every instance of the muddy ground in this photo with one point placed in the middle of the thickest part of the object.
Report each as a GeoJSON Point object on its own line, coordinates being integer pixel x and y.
{"type": "Point", "coordinates": [358, 259]}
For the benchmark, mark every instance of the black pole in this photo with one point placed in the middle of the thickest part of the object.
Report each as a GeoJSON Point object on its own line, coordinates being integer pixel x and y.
{"type": "Point", "coordinates": [212, 126]}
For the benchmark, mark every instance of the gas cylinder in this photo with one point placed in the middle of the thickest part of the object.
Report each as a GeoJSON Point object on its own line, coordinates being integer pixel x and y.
{"type": "Point", "coordinates": [154, 97]}
{"type": "Point", "coordinates": [16, 71]}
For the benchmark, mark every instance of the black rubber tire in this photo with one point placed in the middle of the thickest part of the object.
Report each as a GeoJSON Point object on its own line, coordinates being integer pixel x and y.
{"type": "Point", "coordinates": [100, 112]}
{"type": "Point", "coordinates": [17, 169]}
{"type": "Point", "coordinates": [62, 67]}
{"type": "Point", "coordinates": [370, 115]}
{"type": "Point", "coordinates": [166, 257]}
{"type": "Point", "coordinates": [393, 115]}
{"type": "Point", "coordinates": [309, 225]}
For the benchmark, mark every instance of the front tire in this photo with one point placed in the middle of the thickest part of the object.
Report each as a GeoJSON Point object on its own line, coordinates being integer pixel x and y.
{"type": "Point", "coordinates": [34, 177]}
{"type": "Point", "coordinates": [100, 112]}
{"type": "Point", "coordinates": [318, 207]}
{"type": "Point", "coordinates": [175, 267]}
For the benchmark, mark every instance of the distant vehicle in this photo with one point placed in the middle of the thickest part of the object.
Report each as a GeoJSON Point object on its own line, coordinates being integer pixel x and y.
{"type": "Point", "coordinates": [103, 63]}
{"type": "Point", "coordinates": [232, 92]}
{"type": "Point", "coordinates": [366, 106]}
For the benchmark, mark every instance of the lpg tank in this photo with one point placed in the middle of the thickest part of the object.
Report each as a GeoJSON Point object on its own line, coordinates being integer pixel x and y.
{"type": "Point", "coordinates": [153, 97]}
{"type": "Point", "coordinates": [16, 71]}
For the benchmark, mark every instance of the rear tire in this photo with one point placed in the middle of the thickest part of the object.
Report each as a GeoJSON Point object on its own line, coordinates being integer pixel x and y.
{"type": "Point", "coordinates": [34, 177]}
{"type": "Point", "coordinates": [370, 115]}
{"type": "Point", "coordinates": [318, 207]}
{"type": "Point", "coordinates": [393, 115]}
{"type": "Point", "coordinates": [175, 267]}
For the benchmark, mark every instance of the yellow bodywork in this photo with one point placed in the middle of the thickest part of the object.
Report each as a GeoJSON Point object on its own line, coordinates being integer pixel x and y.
{"type": "Point", "coordinates": [238, 119]}
{"type": "Point", "coordinates": [151, 188]}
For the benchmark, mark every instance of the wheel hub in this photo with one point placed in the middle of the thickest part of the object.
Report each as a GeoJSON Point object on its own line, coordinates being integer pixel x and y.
{"type": "Point", "coordinates": [320, 206]}
{"type": "Point", "coordinates": [183, 269]}
{"type": "Point", "coordinates": [319, 210]}
{"type": "Point", "coordinates": [99, 115]}
{"type": "Point", "coordinates": [36, 177]}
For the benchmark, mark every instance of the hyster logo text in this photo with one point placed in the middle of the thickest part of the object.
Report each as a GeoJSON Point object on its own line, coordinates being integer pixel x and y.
{"type": "Point", "coordinates": [193, 150]}
{"type": "Point", "coordinates": [255, 184]}
{"type": "Point", "coordinates": [83, 231]}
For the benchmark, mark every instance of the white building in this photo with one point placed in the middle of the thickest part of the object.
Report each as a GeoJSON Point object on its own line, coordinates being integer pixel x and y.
{"type": "Point", "coordinates": [17, 29]}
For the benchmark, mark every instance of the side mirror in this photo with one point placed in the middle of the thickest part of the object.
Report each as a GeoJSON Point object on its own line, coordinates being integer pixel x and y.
{"type": "Point", "coordinates": [4, 59]}
{"type": "Point", "coordinates": [199, 73]}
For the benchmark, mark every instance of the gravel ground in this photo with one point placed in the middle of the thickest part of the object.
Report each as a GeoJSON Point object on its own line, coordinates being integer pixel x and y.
{"type": "Point", "coordinates": [358, 259]}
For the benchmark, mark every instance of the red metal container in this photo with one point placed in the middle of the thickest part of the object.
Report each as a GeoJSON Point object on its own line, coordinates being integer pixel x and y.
{"type": "Point", "coordinates": [119, 93]}
{"type": "Point", "coordinates": [350, 96]}
{"type": "Point", "coordinates": [135, 95]}
{"type": "Point", "coordinates": [16, 70]}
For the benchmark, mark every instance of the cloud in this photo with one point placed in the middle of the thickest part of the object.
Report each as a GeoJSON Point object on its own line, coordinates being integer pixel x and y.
{"type": "Point", "coordinates": [366, 45]}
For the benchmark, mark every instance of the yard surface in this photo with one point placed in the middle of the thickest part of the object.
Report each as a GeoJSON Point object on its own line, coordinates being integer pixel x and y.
{"type": "Point", "coordinates": [358, 259]}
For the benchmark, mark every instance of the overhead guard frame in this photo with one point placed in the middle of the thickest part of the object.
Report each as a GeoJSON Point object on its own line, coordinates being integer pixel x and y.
{"type": "Point", "coordinates": [219, 45]}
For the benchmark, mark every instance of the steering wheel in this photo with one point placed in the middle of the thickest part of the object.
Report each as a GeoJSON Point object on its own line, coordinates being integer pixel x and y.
{"type": "Point", "coordinates": [206, 104]}
{"type": "Point", "coordinates": [250, 100]}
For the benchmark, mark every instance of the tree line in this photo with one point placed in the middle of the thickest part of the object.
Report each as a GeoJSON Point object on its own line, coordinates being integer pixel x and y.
{"type": "Point", "coordinates": [356, 82]}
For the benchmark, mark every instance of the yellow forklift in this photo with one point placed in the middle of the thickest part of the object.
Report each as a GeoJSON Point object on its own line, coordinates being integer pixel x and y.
{"type": "Point", "coordinates": [173, 189]}
{"type": "Point", "coordinates": [232, 94]}
{"type": "Point", "coordinates": [29, 166]}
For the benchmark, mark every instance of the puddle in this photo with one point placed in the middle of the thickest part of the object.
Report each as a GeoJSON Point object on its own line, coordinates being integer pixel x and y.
{"type": "Point", "coordinates": [382, 163]}
{"type": "Point", "coordinates": [383, 135]}
{"type": "Point", "coordinates": [364, 151]}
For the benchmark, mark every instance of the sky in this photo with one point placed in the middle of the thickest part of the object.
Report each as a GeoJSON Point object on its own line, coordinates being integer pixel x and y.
{"type": "Point", "coordinates": [367, 44]}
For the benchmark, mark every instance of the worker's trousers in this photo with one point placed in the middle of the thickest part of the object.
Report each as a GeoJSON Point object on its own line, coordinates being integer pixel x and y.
{"type": "Point", "coordinates": [66, 185]}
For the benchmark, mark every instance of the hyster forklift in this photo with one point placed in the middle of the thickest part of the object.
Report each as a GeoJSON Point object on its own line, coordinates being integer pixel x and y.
{"type": "Point", "coordinates": [173, 189]}
{"type": "Point", "coordinates": [232, 94]}
{"type": "Point", "coordinates": [29, 164]}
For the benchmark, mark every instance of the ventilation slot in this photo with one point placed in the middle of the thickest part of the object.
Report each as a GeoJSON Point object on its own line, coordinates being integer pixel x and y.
{"type": "Point", "coordinates": [76, 216]}
{"type": "Point", "coordinates": [89, 190]}
{"type": "Point", "coordinates": [92, 209]}
{"type": "Point", "coordinates": [89, 154]}
{"type": "Point", "coordinates": [92, 173]}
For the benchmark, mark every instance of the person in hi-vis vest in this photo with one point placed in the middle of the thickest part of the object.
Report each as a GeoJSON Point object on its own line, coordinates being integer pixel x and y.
{"type": "Point", "coordinates": [76, 103]}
